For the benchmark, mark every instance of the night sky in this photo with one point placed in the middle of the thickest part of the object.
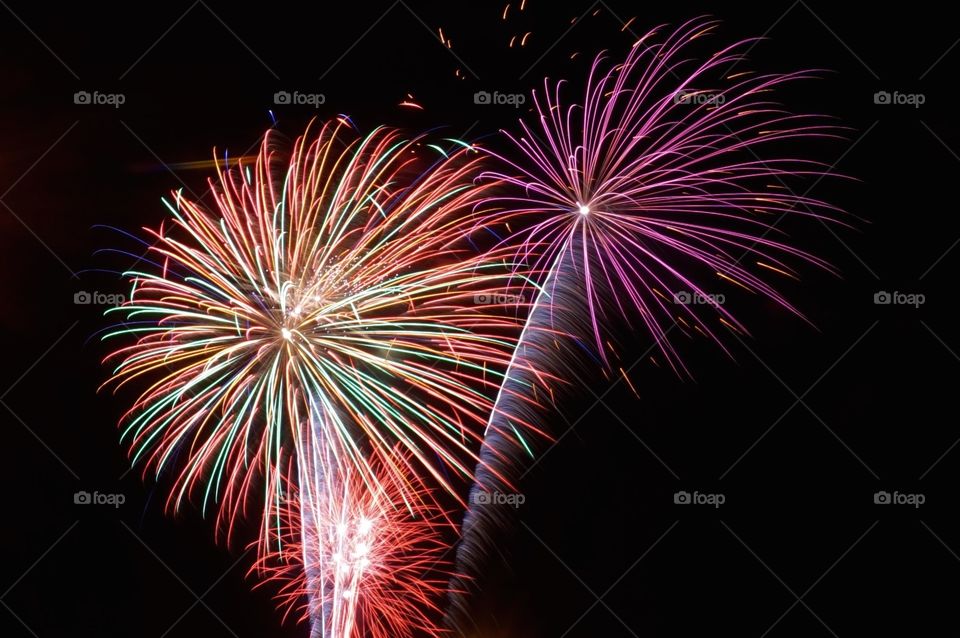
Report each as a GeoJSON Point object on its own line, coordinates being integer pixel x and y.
{"type": "Point", "coordinates": [798, 431]}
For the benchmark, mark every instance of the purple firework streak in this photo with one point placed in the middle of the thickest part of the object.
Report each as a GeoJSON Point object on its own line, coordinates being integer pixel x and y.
{"type": "Point", "coordinates": [668, 169]}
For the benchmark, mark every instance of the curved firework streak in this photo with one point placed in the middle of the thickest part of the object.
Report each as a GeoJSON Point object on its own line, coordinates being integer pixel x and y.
{"type": "Point", "coordinates": [328, 296]}
{"type": "Point", "coordinates": [371, 561]}
{"type": "Point", "coordinates": [667, 168]}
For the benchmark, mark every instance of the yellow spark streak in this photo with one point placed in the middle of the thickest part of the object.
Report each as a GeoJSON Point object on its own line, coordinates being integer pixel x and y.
{"type": "Point", "coordinates": [734, 281]}
{"type": "Point", "coordinates": [627, 379]}
{"type": "Point", "coordinates": [778, 270]}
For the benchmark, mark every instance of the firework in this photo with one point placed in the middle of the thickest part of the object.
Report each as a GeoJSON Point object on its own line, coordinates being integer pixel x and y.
{"type": "Point", "coordinates": [327, 331]}
{"type": "Point", "coordinates": [370, 561]}
{"type": "Point", "coordinates": [669, 169]}
{"type": "Point", "coordinates": [334, 290]}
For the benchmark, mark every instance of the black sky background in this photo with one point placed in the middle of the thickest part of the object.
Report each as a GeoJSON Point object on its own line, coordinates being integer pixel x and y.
{"type": "Point", "coordinates": [798, 432]}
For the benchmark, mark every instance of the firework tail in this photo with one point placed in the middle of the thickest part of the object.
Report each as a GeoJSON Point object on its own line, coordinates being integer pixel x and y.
{"type": "Point", "coordinates": [538, 365]}
{"type": "Point", "coordinates": [357, 559]}
{"type": "Point", "coordinates": [313, 464]}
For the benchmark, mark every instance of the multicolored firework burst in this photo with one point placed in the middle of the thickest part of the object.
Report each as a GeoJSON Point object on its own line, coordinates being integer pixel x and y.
{"type": "Point", "coordinates": [329, 302]}
{"type": "Point", "coordinates": [338, 292]}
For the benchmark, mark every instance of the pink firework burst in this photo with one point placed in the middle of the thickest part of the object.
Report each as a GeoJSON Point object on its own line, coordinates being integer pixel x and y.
{"type": "Point", "coordinates": [668, 167]}
{"type": "Point", "coordinates": [667, 170]}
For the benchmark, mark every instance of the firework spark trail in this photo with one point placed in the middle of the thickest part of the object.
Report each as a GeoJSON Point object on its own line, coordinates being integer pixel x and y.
{"type": "Point", "coordinates": [355, 560]}
{"type": "Point", "coordinates": [506, 438]}
{"type": "Point", "coordinates": [317, 479]}
{"type": "Point", "coordinates": [622, 200]}
{"type": "Point", "coordinates": [327, 306]}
